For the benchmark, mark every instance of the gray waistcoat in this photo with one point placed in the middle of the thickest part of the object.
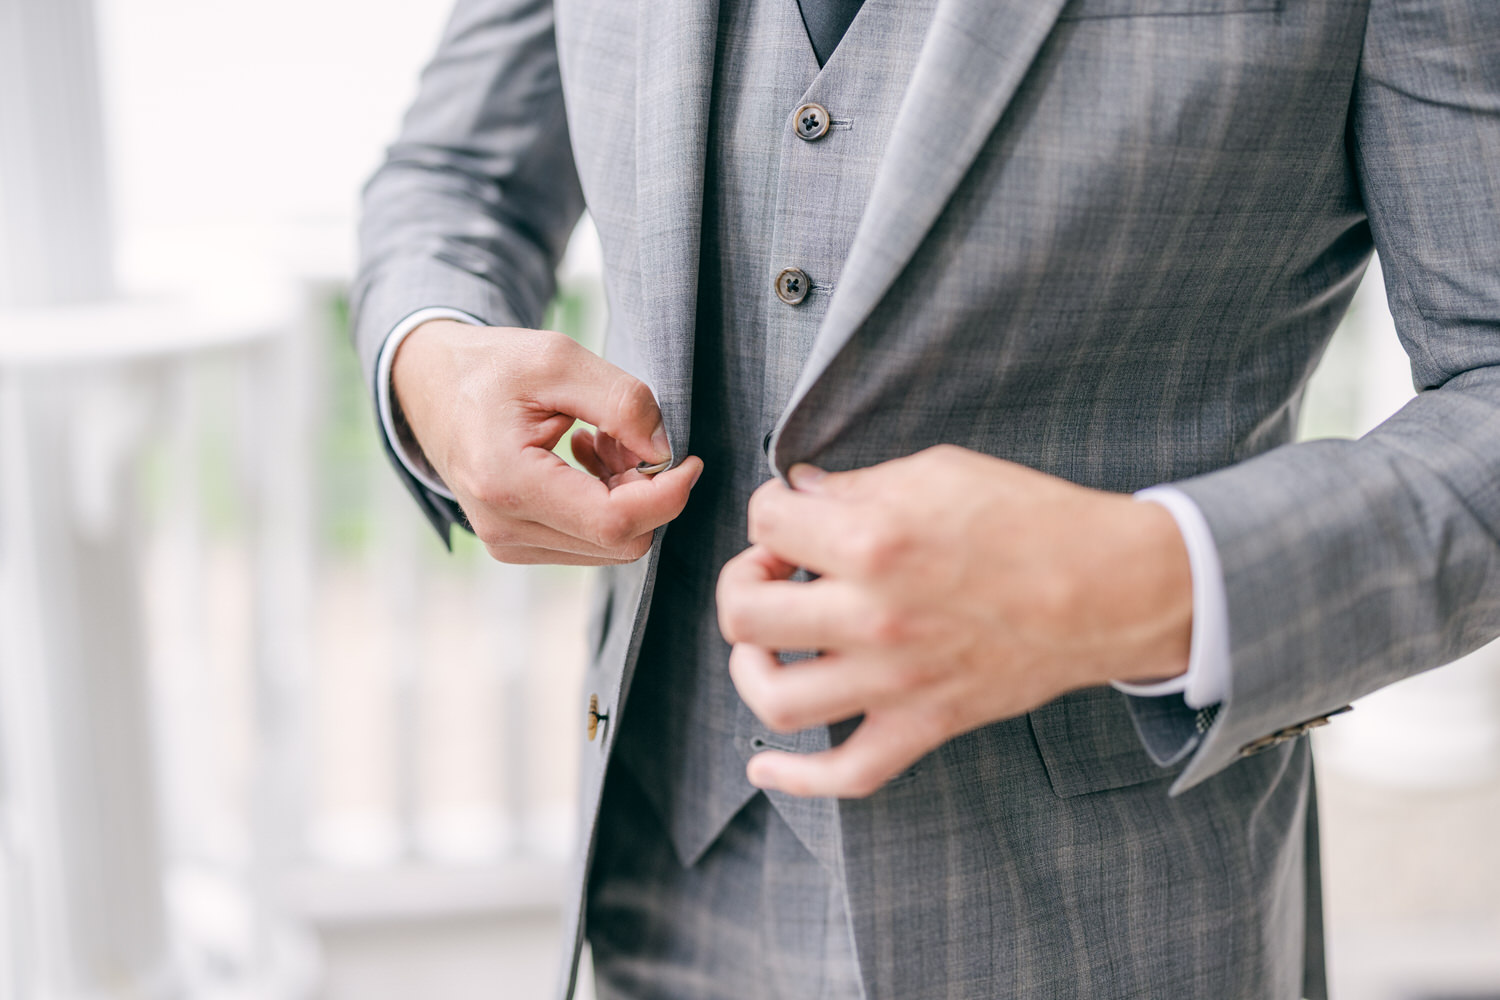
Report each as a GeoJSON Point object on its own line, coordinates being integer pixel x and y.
{"type": "Point", "coordinates": [687, 735]}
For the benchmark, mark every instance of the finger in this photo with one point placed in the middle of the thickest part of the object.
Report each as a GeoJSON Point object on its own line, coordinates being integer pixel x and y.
{"type": "Point", "coordinates": [581, 383]}
{"type": "Point", "coordinates": [519, 533]}
{"type": "Point", "coordinates": [628, 476]}
{"type": "Point", "coordinates": [525, 555]}
{"type": "Point", "coordinates": [585, 450]}
{"type": "Point", "coordinates": [824, 532]}
{"type": "Point", "coordinates": [758, 563]}
{"type": "Point", "coordinates": [557, 495]}
{"type": "Point", "coordinates": [754, 566]}
{"type": "Point", "coordinates": [609, 460]}
{"type": "Point", "coordinates": [828, 613]}
{"type": "Point", "coordinates": [790, 697]}
{"type": "Point", "coordinates": [619, 458]}
{"type": "Point", "coordinates": [807, 478]}
{"type": "Point", "coordinates": [881, 747]}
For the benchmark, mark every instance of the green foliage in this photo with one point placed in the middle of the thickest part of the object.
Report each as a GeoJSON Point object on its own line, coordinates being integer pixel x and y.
{"type": "Point", "coordinates": [347, 446]}
{"type": "Point", "coordinates": [349, 461]}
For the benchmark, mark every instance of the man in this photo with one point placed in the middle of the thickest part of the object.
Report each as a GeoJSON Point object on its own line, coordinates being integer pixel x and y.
{"type": "Point", "coordinates": [965, 274]}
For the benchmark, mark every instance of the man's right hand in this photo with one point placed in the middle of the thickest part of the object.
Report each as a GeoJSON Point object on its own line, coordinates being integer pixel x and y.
{"type": "Point", "coordinates": [487, 406]}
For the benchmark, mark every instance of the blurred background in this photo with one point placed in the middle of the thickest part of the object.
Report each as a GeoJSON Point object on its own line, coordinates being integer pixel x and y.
{"type": "Point", "coordinates": [260, 735]}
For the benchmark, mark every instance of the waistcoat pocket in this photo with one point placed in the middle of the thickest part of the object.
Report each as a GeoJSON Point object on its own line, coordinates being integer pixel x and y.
{"type": "Point", "coordinates": [1080, 10]}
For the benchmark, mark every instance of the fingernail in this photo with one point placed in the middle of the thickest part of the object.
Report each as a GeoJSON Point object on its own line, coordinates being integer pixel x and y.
{"type": "Point", "coordinates": [805, 477]}
{"type": "Point", "coordinates": [696, 476]}
{"type": "Point", "coordinates": [660, 443]}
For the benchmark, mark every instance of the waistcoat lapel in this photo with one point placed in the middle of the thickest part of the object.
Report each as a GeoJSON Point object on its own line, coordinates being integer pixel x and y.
{"type": "Point", "coordinates": [974, 58]}
{"type": "Point", "coordinates": [674, 75]}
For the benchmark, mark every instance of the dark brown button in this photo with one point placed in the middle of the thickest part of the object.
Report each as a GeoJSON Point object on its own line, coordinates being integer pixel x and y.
{"type": "Point", "coordinates": [791, 285]}
{"type": "Point", "coordinates": [595, 716]}
{"type": "Point", "coordinates": [811, 122]}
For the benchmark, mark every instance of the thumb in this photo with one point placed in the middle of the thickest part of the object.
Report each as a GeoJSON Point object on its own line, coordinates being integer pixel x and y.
{"type": "Point", "coordinates": [806, 478]}
{"type": "Point", "coordinates": [847, 485]}
{"type": "Point", "coordinates": [610, 398]}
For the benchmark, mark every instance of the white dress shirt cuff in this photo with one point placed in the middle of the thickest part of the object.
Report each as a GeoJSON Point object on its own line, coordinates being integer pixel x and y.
{"type": "Point", "coordinates": [403, 443]}
{"type": "Point", "coordinates": [1206, 681]}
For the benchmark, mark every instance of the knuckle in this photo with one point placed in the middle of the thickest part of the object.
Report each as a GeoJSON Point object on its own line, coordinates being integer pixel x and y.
{"type": "Point", "coordinates": [865, 779]}
{"type": "Point", "coordinates": [907, 678]}
{"type": "Point", "coordinates": [630, 405]}
{"type": "Point", "coordinates": [734, 619]}
{"type": "Point", "coordinates": [779, 718]}
{"type": "Point", "coordinates": [757, 514]}
{"type": "Point", "coordinates": [765, 495]}
{"type": "Point", "coordinates": [613, 529]}
{"type": "Point", "coordinates": [494, 492]}
{"type": "Point", "coordinates": [499, 553]}
{"type": "Point", "coordinates": [497, 535]}
{"type": "Point", "coordinates": [492, 532]}
{"type": "Point", "coordinates": [736, 666]}
{"type": "Point", "coordinates": [762, 695]}
{"type": "Point", "coordinates": [945, 719]}
{"type": "Point", "coordinates": [721, 597]}
{"type": "Point", "coordinates": [772, 708]}
{"type": "Point", "coordinates": [939, 455]}
{"type": "Point", "coordinates": [550, 357]}
{"type": "Point", "coordinates": [874, 548]}
{"type": "Point", "coordinates": [637, 548]}
{"type": "Point", "coordinates": [888, 626]}
{"type": "Point", "coordinates": [1054, 597]}
{"type": "Point", "coordinates": [745, 677]}
{"type": "Point", "coordinates": [637, 404]}
{"type": "Point", "coordinates": [861, 550]}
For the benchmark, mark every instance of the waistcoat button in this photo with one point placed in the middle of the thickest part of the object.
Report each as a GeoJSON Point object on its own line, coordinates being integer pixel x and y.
{"type": "Point", "coordinates": [810, 122]}
{"type": "Point", "coordinates": [791, 285]}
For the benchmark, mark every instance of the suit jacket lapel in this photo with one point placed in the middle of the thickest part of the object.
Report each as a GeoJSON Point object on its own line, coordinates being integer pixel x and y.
{"type": "Point", "coordinates": [973, 60]}
{"type": "Point", "coordinates": [674, 77]}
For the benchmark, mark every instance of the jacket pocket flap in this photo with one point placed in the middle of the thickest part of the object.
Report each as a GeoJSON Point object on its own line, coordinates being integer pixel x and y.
{"type": "Point", "coordinates": [1089, 744]}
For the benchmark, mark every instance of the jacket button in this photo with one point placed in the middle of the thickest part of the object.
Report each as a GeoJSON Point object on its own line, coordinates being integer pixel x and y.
{"type": "Point", "coordinates": [1290, 732]}
{"type": "Point", "coordinates": [791, 285]}
{"type": "Point", "coordinates": [595, 716]}
{"type": "Point", "coordinates": [810, 122]}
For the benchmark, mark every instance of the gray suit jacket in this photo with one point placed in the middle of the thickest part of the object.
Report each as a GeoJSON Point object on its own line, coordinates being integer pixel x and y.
{"type": "Point", "coordinates": [1109, 239]}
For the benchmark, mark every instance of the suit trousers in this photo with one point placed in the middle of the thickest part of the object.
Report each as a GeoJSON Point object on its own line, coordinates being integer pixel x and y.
{"type": "Point", "coordinates": [756, 917]}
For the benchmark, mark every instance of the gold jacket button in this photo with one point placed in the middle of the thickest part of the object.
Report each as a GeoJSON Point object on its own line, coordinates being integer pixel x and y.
{"type": "Point", "coordinates": [1290, 732]}
{"type": "Point", "coordinates": [595, 716]}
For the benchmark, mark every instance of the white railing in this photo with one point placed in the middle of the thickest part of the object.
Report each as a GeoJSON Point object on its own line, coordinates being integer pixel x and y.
{"type": "Point", "coordinates": [83, 852]}
{"type": "Point", "coordinates": [220, 720]}
{"type": "Point", "coordinates": [346, 723]}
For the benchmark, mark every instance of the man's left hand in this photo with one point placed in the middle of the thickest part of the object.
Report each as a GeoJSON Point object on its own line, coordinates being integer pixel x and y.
{"type": "Point", "coordinates": [952, 590]}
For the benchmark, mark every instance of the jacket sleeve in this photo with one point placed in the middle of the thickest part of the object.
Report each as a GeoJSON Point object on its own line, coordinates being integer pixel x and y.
{"type": "Point", "coordinates": [1352, 564]}
{"type": "Point", "coordinates": [475, 201]}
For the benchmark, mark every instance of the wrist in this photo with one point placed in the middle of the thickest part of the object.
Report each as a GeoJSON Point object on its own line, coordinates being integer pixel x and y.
{"type": "Point", "coordinates": [412, 355]}
{"type": "Point", "coordinates": [411, 381]}
{"type": "Point", "coordinates": [1157, 588]}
